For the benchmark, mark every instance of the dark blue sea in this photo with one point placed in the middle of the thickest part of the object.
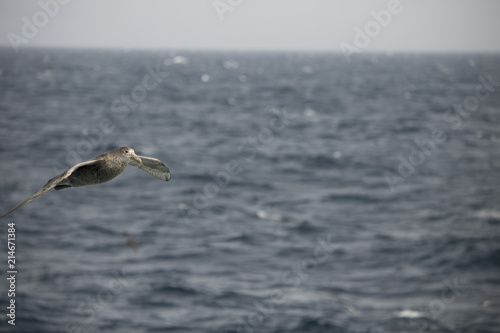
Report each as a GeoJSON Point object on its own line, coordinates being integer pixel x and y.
{"type": "Point", "coordinates": [308, 194]}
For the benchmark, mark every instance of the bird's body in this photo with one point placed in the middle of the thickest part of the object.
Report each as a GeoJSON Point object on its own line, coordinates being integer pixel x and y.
{"type": "Point", "coordinates": [105, 168]}
{"type": "Point", "coordinates": [101, 169]}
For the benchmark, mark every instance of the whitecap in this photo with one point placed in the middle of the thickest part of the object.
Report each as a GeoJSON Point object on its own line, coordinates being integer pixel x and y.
{"type": "Point", "coordinates": [181, 60]}
{"type": "Point", "coordinates": [410, 314]}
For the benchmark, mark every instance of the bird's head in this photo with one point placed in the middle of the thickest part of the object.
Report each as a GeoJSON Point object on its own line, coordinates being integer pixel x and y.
{"type": "Point", "coordinates": [129, 155]}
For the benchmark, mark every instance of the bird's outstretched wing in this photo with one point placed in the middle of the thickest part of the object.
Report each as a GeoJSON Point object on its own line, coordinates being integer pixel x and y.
{"type": "Point", "coordinates": [50, 184]}
{"type": "Point", "coordinates": [154, 167]}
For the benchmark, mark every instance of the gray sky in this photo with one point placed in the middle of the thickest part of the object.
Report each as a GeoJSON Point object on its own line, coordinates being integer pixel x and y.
{"type": "Point", "coordinates": [323, 25]}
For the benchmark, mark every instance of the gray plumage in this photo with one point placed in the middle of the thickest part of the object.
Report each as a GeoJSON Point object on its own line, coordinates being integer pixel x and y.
{"type": "Point", "coordinates": [101, 169]}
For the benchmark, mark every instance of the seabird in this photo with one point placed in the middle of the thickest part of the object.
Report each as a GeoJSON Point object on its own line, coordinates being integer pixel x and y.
{"type": "Point", "coordinates": [131, 242]}
{"type": "Point", "coordinates": [101, 169]}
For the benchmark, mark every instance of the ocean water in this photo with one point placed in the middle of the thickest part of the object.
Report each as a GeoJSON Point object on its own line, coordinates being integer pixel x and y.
{"type": "Point", "coordinates": [308, 194]}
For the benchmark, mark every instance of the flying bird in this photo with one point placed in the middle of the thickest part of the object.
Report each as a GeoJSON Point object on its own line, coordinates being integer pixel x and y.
{"type": "Point", "coordinates": [101, 169]}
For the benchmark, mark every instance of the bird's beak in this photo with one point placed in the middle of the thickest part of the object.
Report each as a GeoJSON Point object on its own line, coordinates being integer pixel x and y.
{"type": "Point", "coordinates": [136, 158]}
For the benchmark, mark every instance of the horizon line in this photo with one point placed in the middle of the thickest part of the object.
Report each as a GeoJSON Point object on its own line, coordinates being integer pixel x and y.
{"type": "Point", "coordinates": [252, 50]}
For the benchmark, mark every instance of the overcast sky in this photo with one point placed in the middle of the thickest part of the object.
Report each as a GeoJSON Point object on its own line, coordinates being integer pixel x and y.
{"type": "Point", "coordinates": [308, 25]}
